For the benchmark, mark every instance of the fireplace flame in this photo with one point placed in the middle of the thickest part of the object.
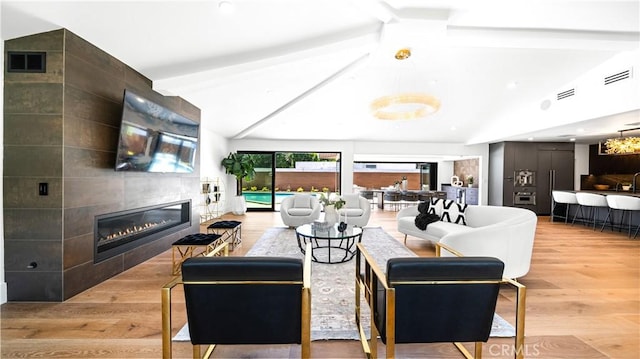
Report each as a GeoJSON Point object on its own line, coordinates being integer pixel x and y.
{"type": "Point", "coordinates": [131, 231]}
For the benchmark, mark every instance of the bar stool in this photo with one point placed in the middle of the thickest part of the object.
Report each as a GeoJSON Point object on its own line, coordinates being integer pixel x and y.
{"type": "Point", "coordinates": [563, 197]}
{"type": "Point", "coordinates": [593, 202]}
{"type": "Point", "coordinates": [392, 198]}
{"type": "Point", "coordinates": [625, 204]}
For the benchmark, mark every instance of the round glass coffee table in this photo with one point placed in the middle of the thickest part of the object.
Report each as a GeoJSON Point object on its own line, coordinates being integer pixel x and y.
{"type": "Point", "coordinates": [329, 245]}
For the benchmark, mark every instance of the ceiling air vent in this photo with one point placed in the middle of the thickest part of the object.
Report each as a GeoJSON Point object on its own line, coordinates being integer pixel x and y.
{"type": "Point", "coordinates": [617, 77]}
{"type": "Point", "coordinates": [565, 94]}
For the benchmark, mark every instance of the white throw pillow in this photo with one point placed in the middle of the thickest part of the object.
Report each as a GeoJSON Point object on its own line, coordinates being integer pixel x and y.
{"type": "Point", "coordinates": [302, 201]}
{"type": "Point", "coordinates": [453, 212]}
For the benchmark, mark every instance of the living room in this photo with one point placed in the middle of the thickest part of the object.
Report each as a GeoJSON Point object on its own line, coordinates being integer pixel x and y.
{"type": "Point", "coordinates": [90, 183]}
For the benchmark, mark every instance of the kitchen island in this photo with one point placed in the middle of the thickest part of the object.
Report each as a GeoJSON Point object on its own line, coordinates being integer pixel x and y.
{"type": "Point", "coordinates": [605, 217]}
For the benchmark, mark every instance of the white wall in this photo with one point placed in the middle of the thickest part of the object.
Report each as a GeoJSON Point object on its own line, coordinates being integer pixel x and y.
{"type": "Point", "coordinates": [581, 166]}
{"type": "Point", "coordinates": [445, 171]}
{"type": "Point", "coordinates": [380, 151]}
{"type": "Point", "coordinates": [3, 283]}
{"type": "Point", "coordinates": [213, 148]}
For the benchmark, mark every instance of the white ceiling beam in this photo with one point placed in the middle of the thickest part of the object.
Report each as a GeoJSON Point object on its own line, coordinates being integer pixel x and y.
{"type": "Point", "coordinates": [338, 74]}
{"type": "Point", "coordinates": [221, 74]}
{"type": "Point", "coordinates": [531, 38]}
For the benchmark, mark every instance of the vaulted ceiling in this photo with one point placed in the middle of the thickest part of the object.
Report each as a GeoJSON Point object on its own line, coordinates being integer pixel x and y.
{"type": "Point", "coordinates": [291, 69]}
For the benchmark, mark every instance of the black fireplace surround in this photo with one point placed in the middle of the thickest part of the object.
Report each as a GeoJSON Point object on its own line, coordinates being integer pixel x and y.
{"type": "Point", "coordinates": [118, 232]}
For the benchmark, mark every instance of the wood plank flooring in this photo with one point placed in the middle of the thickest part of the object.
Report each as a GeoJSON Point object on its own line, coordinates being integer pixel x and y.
{"type": "Point", "coordinates": [583, 302]}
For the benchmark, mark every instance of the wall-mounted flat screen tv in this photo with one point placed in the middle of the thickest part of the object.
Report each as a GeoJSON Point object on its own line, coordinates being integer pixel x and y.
{"type": "Point", "coordinates": [154, 138]}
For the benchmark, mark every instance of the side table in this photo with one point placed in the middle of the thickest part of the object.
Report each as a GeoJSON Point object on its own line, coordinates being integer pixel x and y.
{"type": "Point", "coordinates": [193, 245]}
{"type": "Point", "coordinates": [231, 231]}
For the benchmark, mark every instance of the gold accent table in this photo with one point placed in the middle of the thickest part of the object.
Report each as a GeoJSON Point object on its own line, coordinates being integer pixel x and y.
{"type": "Point", "coordinates": [231, 232]}
{"type": "Point", "coordinates": [193, 245]}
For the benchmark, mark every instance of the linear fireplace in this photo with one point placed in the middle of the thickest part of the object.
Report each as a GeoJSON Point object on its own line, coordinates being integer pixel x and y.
{"type": "Point", "coordinates": [119, 232]}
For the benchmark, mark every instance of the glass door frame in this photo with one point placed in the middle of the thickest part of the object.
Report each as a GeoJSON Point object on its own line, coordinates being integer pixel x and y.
{"type": "Point", "coordinates": [433, 175]}
{"type": "Point", "coordinates": [275, 206]}
{"type": "Point", "coordinates": [271, 185]}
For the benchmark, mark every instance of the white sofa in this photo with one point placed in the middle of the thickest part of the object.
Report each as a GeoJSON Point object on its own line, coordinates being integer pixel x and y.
{"type": "Point", "coordinates": [299, 209]}
{"type": "Point", "coordinates": [356, 208]}
{"type": "Point", "coordinates": [506, 233]}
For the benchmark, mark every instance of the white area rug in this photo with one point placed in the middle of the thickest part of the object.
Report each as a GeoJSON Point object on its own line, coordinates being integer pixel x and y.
{"type": "Point", "coordinates": [333, 285]}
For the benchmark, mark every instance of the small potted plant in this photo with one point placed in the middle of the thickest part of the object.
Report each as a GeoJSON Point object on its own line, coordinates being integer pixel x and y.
{"type": "Point", "coordinates": [327, 201]}
{"type": "Point", "coordinates": [242, 167]}
{"type": "Point", "coordinates": [331, 207]}
{"type": "Point", "coordinates": [469, 181]}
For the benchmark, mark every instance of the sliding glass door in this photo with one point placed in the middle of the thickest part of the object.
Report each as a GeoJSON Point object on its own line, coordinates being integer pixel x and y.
{"type": "Point", "coordinates": [282, 174]}
{"type": "Point", "coordinates": [259, 193]}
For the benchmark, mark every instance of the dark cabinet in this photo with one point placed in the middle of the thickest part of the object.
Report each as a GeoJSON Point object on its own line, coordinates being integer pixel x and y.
{"type": "Point", "coordinates": [551, 164]}
{"type": "Point", "coordinates": [505, 158]}
{"type": "Point", "coordinates": [525, 156]}
{"type": "Point", "coordinates": [555, 171]}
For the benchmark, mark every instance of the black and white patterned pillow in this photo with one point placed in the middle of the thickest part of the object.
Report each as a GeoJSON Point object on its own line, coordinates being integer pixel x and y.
{"type": "Point", "coordinates": [435, 206]}
{"type": "Point", "coordinates": [453, 212]}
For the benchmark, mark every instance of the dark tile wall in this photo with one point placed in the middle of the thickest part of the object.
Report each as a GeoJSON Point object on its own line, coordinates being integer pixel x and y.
{"type": "Point", "coordinates": [33, 127]}
{"type": "Point", "coordinates": [61, 127]}
{"type": "Point", "coordinates": [612, 164]}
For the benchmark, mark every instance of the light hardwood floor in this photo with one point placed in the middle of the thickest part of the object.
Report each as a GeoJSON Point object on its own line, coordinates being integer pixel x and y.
{"type": "Point", "coordinates": [583, 302]}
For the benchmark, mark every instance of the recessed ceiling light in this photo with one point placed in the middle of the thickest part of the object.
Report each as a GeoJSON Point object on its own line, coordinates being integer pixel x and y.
{"type": "Point", "coordinates": [512, 85]}
{"type": "Point", "coordinates": [453, 128]}
{"type": "Point", "coordinates": [225, 7]}
{"type": "Point", "coordinates": [544, 105]}
{"type": "Point", "coordinates": [572, 139]}
{"type": "Point", "coordinates": [580, 130]}
{"type": "Point", "coordinates": [530, 138]}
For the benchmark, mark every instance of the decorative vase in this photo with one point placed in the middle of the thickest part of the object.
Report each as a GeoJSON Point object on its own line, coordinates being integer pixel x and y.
{"type": "Point", "coordinates": [330, 215]}
{"type": "Point", "coordinates": [404, 185]}
{"type": "Point", "coordinates": [239, 205]}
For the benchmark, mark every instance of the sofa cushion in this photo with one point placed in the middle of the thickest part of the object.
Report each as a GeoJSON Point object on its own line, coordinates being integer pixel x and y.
{"type": "Point", "coordinates": [351, 200]}
{"type": "Point", "coordinates": [434, 231]}
{"type": "Point", "coordinates": [440, 229]}
{"type": "Point", "coordinates": [453, 212]}
{"type": "Point", "coordinates": [351, 212]}
{"type": "Point", "coordinates": [299, 211]}
{"type": "Point", "coordinates": [302, 201]}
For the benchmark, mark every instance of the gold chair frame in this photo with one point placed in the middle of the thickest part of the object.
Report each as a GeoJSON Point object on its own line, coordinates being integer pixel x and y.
{"type": "Point", "coordinates": [223, 249]}
{"type": "Point", "coordinates": [366, 280]}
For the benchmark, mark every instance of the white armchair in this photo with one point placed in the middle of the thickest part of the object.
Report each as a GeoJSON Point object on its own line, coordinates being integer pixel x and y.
{"type": "Point", "coordinates": [356, 208]}
{"type": "Point", "coordinates": [299, 209]}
